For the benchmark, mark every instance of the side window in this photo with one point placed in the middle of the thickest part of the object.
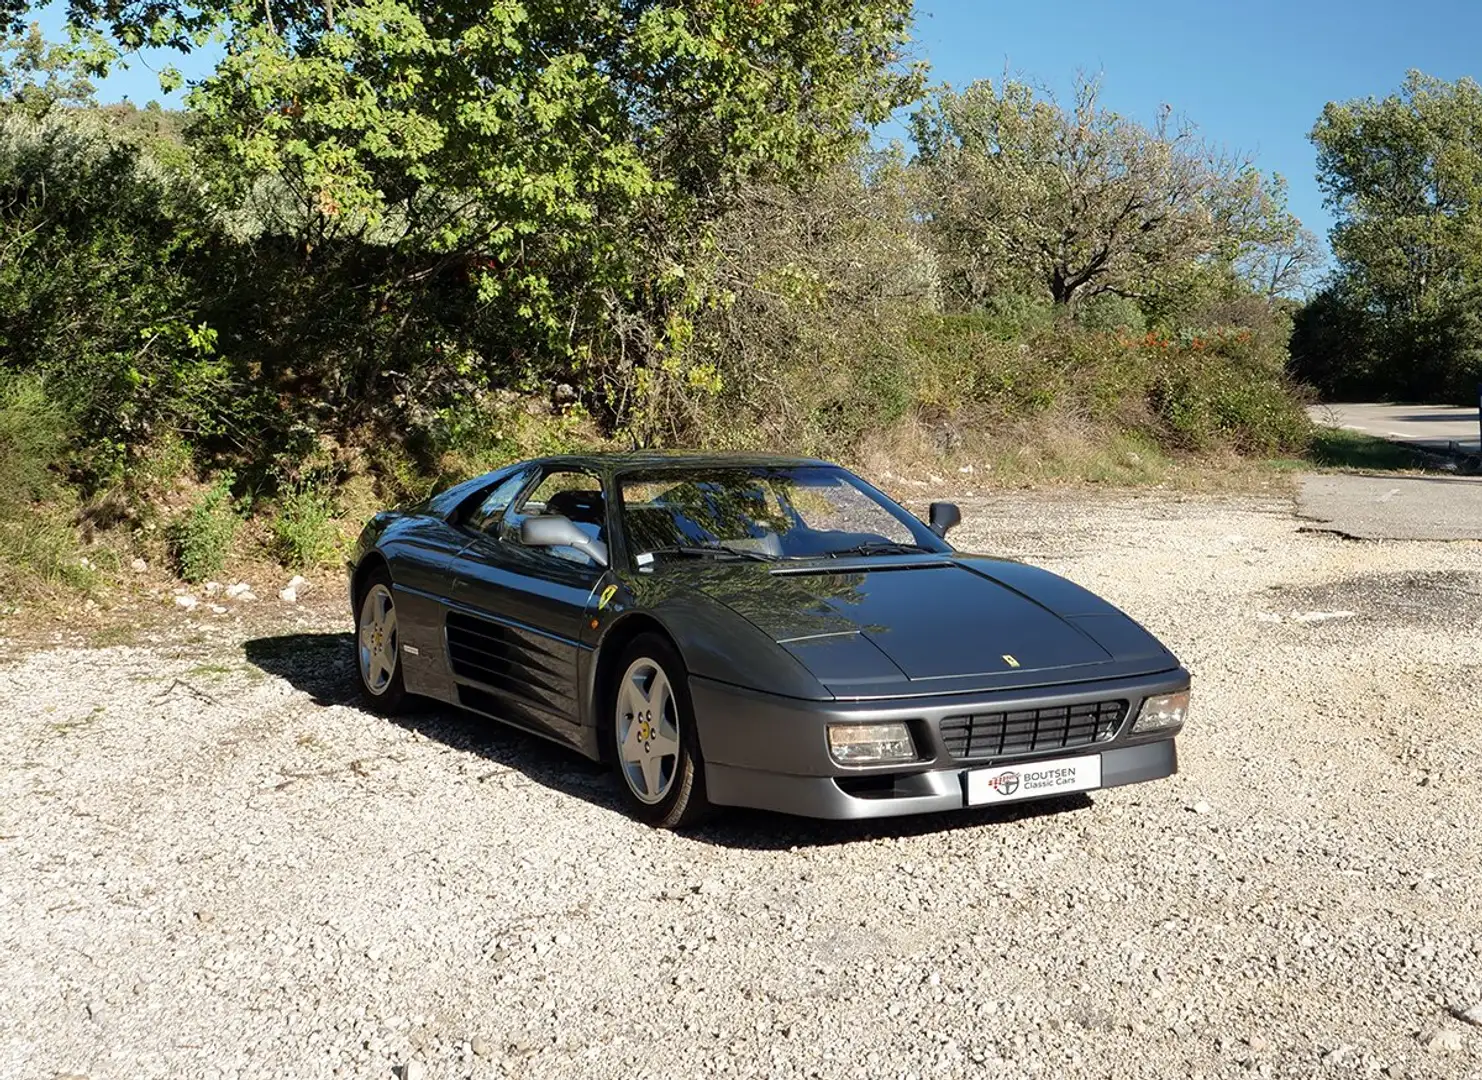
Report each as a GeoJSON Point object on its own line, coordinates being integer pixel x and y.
{"type": "Point", "coordinates": [574, 495]}
{"type": "Point", "coordinates": [489, 513]}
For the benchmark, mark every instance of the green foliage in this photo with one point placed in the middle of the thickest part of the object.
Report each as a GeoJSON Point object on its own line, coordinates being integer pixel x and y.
{"type": "Point", "coordinates": [37, 75]}
{"type": "Point", "coordinates": [391, 244]}
{"type": "Point", "coordinates": [37, 541]}
{"type": "Point", "coordinates": [303, 528]}
{"type": "Point", "coordinates": [1403, 176]}
{"type": "Point", "coordinates": [34, 431]}
{"type": "Point", "coordinates": [96, 288]}
{"type": "Point", "coordinates": [201, 538]}
{"type": "Point", "coordinates": [1080, 202]}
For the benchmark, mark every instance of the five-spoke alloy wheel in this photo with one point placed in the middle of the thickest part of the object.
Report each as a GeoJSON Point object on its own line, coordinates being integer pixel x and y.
{"type": "Point", "coordinates": [378, 645]}
{"type": "Point", "coordinates": [653, 741]}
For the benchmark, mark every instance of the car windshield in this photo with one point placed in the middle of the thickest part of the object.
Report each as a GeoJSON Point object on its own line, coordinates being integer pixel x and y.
{"type": "Point", "coordinates": [788, 512]}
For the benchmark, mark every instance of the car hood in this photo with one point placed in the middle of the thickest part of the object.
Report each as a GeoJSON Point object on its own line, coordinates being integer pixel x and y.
{"type": "Point", "coordinates": [890, 627]}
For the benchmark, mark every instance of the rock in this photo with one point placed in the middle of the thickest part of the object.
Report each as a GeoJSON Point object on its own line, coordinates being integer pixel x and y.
{"type": "Point", "coordinates": [138, 566]}
{"type": "Point", "coordinates": [217, 609]}
{"type": "Point", "coordinates": [1259, 1043]}
{"type": "Point", "coordinates": [412, 1070]}
{"type": "Point", "coordinates": [288, 596]}
{"type": "Point", "coordinates": [1472, 1016]}
{"type": "Point", "coordinates": [1443, 1041]}
{"type": "Point", "coordinates": [186, 601]}
{"type": "Point", "coordinates": [1202, 807]}
{"type": "Point", "coordinates": [562, 940]}
{"type": "Point", "coordinates": [1336, 1055]}
{"type": "Point", "coordinates": [966, 469]}
{"type": "Point", "coordinates": [297, 582]}
{"type": "Point", "coordinates": [212, 588]}
{"type": "Point", "coordinates": [480, 1046]}
{"type": "Point", "coordinates": [241, 588]}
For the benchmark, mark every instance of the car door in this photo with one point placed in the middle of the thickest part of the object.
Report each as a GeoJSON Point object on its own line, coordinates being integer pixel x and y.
{"type": "Point", "coordinates": [514, 626]}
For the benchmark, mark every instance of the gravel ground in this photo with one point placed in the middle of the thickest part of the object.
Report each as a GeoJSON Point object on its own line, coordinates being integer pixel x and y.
{"type": "Point", "coordinates": [212, 864]}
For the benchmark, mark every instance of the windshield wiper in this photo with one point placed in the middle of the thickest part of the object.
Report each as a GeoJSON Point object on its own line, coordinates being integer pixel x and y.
{"type": "Point", "coordinates": [712, 550]}
{"type": "Point", "coordinates": [882, 547]}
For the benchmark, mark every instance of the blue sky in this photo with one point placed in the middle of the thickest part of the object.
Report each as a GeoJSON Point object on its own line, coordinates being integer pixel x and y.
{"type": "Point", "coordinates": [1252, 75]}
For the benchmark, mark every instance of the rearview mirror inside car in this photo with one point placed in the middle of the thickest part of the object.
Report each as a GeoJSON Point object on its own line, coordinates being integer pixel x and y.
{"type": "Point", "coordinates": [553, 530]}
{"type": "Point", "coordinates": [944, 516]}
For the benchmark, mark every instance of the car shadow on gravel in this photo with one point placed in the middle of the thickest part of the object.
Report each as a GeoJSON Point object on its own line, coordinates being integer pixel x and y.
{"type": "Point", "coordinates": [322, 666]}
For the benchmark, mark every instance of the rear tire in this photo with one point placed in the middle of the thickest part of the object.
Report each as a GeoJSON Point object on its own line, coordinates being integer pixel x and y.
{"type": "Point", "coordinates": [649, 731]}
{"type": "Point", "coordinates": [378, 646]}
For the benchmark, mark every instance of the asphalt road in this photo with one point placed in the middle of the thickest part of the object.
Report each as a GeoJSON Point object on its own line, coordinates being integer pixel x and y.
{"type": "Point", "coordinates": [1394, 507]}
{"type": "Point", "coordinates": [1423, 425]}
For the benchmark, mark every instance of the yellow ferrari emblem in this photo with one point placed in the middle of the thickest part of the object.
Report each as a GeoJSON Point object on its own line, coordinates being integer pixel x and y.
{"type": "Point", "coordinates": [1010, 661]}
{"type": "Point", "coordinates": [607, 594]}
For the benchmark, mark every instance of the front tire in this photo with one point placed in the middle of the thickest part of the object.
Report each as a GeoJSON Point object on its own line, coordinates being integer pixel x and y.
{"type": "Point", "coordinates": [378, 646]}
{"type": "Point", "coordinates": [651, 736]}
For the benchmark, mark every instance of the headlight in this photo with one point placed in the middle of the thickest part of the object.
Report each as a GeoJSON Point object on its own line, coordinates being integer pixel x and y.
{"type": "Point", "coordinates": [1163, 711]}
{"type": "Point", "coordinates": [870, 744]}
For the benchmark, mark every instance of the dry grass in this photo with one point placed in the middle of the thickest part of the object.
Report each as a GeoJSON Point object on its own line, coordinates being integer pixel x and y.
{"type": "Point", "coordinates": [1052, 450]}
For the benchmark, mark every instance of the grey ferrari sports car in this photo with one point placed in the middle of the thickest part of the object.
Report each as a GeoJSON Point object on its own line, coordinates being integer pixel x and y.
{"type": "Point", "coordinates": [757, 631]}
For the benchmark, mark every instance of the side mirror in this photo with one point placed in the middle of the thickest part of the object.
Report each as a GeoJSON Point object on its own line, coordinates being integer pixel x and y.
{"type": "Point", "coordinates": [553, 530]}
{"type": "Point", "coordinates": [944, 516]}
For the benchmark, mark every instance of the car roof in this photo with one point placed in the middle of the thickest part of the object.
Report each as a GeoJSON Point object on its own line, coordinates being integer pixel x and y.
{"type": "Point", "coordinates": [676, 460]}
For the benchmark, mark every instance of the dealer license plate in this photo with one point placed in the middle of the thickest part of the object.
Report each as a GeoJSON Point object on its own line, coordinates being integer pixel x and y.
{"type": "Point", "coordinates": [1034, 780]}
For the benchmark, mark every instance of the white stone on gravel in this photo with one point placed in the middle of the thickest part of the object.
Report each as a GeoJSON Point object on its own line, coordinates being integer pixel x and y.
{"type": "Point", "coordinates": [1472, 1015]}
{"type": "Point", "coordinates": [1444, 1041]}
{"type": "Point", "coordinates": [138, 566]}
{"type": "Point", "coordinates": [241, 588]}
{"type": "Point", "coordinates": [186, 601]}
{"type": "Point", "coordinates": [288, 596]}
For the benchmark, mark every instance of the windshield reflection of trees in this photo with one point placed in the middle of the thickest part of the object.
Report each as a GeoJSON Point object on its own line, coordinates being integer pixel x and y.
{"type": "Point", "coordinates": [758, 506]}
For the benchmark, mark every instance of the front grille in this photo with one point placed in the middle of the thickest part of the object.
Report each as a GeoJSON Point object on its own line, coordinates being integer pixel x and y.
{"type": "Point", "coordinates": [1031, 731]}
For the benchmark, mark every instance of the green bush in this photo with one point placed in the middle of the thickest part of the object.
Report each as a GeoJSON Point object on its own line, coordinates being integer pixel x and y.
{"type": "Point", "coordinates": [303, 528]}
{"type": "Point", "coordinates": [34, 431]}
{"type": "Point", "coordinates": [201, 538]}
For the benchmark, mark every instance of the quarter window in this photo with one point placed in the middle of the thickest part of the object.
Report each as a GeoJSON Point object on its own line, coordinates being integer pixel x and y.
{"type": "Point", "coordinates": [490, 512]}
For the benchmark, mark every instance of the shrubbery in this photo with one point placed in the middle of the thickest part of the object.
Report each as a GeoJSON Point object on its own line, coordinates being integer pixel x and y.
{"type": "Point", "coordinates": [303, 527]}
{"type": "Point", "coordinates": [201, 538]}
{"type": "Point", "coordinates": [170, 307]}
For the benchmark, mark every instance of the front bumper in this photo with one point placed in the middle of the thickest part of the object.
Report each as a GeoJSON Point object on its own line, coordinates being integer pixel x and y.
{"type": "Point", "coordinates": [771, 753]}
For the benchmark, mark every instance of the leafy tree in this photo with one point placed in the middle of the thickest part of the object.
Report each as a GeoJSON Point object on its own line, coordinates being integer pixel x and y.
{"type": "Point", "coordinates": [1403, 176]}
{"type": "Point", "coordinates": [562, 159]}
{"type": "Point", "coordinates": [1082, 201]}
{"type": "Point", "coordinates": [36, 74]}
